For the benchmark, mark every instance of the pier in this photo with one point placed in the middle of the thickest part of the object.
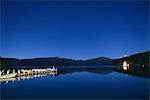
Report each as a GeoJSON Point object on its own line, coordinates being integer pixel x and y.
{"type": "Point", "coordinates": [22, 74]}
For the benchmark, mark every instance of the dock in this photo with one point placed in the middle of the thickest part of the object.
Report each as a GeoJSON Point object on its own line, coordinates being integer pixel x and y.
{"type": "Point", "coordinates": [21, 74]}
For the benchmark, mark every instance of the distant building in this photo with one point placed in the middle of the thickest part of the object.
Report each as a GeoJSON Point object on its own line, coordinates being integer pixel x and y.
{"type": "Point", "coordinates": [125, 65]}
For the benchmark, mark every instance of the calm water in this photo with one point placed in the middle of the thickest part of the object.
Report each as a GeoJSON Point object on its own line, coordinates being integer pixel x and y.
{"type": "Point", "coordinates": [75, 83]}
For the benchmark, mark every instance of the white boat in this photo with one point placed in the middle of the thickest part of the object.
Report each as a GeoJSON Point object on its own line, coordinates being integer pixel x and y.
{"type": "Point", "coordinates": [8, 75]}
{"type": "Point", "coordinates": [26, 71]}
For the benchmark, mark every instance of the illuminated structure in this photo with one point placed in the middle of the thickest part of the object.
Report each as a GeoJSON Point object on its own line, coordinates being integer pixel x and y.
{"type": "Point", "coordinates": [125, 65]}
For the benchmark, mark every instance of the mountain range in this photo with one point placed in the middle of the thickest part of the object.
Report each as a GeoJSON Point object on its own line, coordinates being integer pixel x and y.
{"type": "Point", "coordinates": [137, 59]}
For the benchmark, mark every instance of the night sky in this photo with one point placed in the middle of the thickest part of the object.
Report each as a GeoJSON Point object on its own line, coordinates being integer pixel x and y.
{"type": "Point", "coordinates": [73, 29]}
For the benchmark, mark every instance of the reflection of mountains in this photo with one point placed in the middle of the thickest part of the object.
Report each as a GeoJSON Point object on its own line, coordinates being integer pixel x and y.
{"type": "Point", "coordinates": [92, 70]}
{"type": "Point", "coordinates": [101, 71]}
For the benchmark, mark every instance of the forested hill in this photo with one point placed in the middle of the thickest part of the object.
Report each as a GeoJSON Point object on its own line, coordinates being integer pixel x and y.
{"type": "Point", "coordinates": [139, 64]}
{"type": "Point", "coordinates": [53, 61]}
{"type": "Point", "coordinates": [135, 60]}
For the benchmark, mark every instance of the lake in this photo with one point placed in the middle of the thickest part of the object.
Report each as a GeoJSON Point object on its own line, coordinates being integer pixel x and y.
{"type": "Point", "coordinates": [78, 83]}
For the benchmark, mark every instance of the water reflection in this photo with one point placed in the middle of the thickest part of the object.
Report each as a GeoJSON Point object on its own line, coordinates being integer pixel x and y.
{"type": "Point", "coordinates": [101, 70]}
{"type": "Point", "coordinates": [61, 71]}
{"type": "Point", "coordinates": [76, 83]}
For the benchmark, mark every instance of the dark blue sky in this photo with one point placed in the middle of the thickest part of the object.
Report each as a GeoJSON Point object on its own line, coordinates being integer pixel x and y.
{"type": "Point", "coordinates": [78, 30]}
